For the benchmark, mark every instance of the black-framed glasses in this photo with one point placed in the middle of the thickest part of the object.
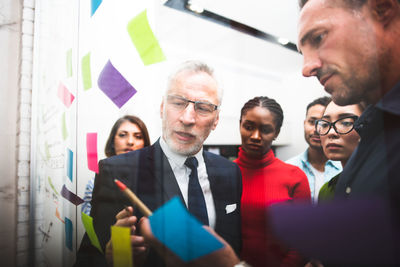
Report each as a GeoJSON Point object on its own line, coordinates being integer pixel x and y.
{"type": "Point", "coordinates": [341, 126]}
{"type": "Point", "coordinates": [201, 107]}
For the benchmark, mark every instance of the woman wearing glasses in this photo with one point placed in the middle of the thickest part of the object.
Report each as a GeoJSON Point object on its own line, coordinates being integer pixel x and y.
{"type": "Point", "coordinates": [338, 138]}
{"type": "Point", "coordinates": [266, 180]}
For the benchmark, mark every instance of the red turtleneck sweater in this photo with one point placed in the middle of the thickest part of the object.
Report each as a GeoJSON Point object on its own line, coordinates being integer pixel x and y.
{"type": "Point", "coordinates": [266, 181]}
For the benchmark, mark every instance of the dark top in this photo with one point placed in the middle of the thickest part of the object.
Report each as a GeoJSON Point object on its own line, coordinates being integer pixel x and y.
{"type": "Point", "coordinates": [148, 174]}
{"type": "Point", "coordinates": [361, 226]}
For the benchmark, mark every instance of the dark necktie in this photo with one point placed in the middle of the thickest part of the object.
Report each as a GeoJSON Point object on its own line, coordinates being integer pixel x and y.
{"type": "Point", "coordinates": [196, 202]}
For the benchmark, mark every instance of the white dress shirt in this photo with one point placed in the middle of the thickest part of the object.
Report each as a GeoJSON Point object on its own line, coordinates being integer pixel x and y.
{"type": "Point", "coordinates": [182, 172]}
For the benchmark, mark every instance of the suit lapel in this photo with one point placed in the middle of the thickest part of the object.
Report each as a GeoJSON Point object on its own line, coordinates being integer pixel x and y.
{"type": "Point", "coordinates": [216, 188]}
{"type": "Point", "coordinates": [164, 176]}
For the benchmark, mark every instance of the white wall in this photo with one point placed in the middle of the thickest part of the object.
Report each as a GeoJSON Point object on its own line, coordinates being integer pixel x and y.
{"type": "Point", "coordinates": [9, 54]}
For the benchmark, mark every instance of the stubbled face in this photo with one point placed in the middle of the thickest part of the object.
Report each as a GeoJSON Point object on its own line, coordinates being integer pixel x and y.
{"type": "Point", "coordinates": [258, 130]}
{"type": "Point", "coordinates": [339, 47]}
{"type": "Point", "coordinates": [310, 135]}
{"type": "Point", "coordinates": [339, 146]}
{"type": "Point", "coordinates": [128, 138]}
{"type": "Point", "coordinates": [184, 130]}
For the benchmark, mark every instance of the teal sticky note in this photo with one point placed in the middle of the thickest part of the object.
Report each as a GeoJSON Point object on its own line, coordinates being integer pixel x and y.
{"type": "Point", "coordinates": [68, 233]}
{"type": "Point", "coordinates": [94, 6]}
{"type": "Point", "coordinates": [70, 163]}
{"type": "Point", "coordinates": [181, 232]}
{"type": "Point", "coordinates": [144, 40]}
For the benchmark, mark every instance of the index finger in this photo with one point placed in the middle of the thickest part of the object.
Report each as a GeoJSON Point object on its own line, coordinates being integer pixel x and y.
{"type": "Point", "coordinates": [126, 212]}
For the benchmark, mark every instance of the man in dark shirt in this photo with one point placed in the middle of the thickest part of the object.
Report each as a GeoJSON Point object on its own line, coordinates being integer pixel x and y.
{"type": "Point", "coordinates": [352, 47]}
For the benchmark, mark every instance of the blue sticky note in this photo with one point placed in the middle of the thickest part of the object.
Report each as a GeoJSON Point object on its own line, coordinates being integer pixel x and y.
{"type": "Point", "coordinates": [68, 233]}
{"type": "Point", "coordinates": [70, 163]}
{"type": "Point", "coordinates": [181, 232]}
{"type": "Point", "coordinates": [95, 5]}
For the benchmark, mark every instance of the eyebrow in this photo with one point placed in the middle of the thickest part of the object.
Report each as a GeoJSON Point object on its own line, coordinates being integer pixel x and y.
{"type": "Point", "coordinates": [306, 37]}
{"type": "Point", "coordinates": [341, 115]}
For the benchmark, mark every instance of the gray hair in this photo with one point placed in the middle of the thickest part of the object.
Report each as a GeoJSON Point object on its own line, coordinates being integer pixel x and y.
{"type": "Point", "coordinates": [195, 66]}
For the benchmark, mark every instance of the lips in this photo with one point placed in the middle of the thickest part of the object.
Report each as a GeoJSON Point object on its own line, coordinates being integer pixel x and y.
{"type": "Point", "coordinates": [333, 146]}
{"type": "Point", "coordinates": [184, 136]}
{"type": "Point", "coordinates": [254, 147]}
{"type": "Point", "coordinates": [324, 79]}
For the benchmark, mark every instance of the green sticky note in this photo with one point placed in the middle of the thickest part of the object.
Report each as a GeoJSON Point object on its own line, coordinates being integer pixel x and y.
{"type": "Point", "coordinates": [52, 186]}
{"type": "Point", "coordinates": [88, 224]}
{"type": "Point", "coordinates": [121, 245]}
{"type": "Point", "coordinates": [86, 73]}
{"type": "Point", "coordinates": [144, 40]}
{"type": "Point", "coordinates": [69, 63]}
{"type": "Point", "coordinates": [64, 127]}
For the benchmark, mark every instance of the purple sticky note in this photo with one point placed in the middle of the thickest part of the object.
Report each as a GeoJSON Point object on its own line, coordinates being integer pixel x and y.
{"type": "Point", "coordinates": [114, 85]}
{"type": "Point", "coordinates": [71, 196]}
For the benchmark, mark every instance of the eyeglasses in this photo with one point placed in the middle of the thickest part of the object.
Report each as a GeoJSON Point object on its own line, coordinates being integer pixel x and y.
{"type": "Point", "coordinates": [341, 126]}
{"type": "Point", "coordinates": [201, 107]}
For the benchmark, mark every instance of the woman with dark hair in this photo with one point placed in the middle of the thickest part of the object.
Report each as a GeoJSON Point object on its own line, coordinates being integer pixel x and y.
{"type": "Point", "coordinates": [338, 138]}
{"type": "Point", "coordinates": [128, 133]}
{"type": "Point", "coordinates": [266, 180]}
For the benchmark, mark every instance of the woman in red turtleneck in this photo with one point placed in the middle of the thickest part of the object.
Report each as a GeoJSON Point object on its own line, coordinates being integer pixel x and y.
{"type": "Point", "coordinates": [266, 180]}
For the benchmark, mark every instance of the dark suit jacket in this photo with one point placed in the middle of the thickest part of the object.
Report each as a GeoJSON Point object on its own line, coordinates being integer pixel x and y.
{"type": "Point", "coordinates": [148, 174]}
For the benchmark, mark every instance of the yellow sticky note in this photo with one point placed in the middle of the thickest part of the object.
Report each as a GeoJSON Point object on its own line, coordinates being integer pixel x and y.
{"type": "Point", "coordinates": [121, 244]}
{"type": "Point", "coordinates": [86, 73]}
{"type": "Point", "coordinates": [64, 127]}
{"type": "Point", "coordinates": [88, 224]}
{"type": "Point", "coordinates": [69, 63]}
{"type": "Point", "coordinates": [144, 40]}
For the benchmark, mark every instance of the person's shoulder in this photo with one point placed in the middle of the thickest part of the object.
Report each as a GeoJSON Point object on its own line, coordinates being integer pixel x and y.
{"type": "Point", "coordinates": [291, 168]}
{"type": "Point", "coordinates": [296, 160]}
{"type": "Point", "coordinates": [215, 159]}
{"type": "Point", "coordinates": [130, 157]}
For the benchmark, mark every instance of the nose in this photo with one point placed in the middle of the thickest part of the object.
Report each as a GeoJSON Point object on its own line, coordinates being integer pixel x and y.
{"type": "Point", "coordinates": [311, 64]}
{"type": "Point", "coordinates": [188, 115]}
{"type": "Point", "coordinates": [332, 133]}
{"type": "Point", "coordinates": [255, 136]}
{"type": "Point", "coordinates": [130, 140]}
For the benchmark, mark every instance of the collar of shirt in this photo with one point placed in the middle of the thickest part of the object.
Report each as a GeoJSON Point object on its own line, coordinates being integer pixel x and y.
{"type": "Point", "coordinates": [176, 160]}
{"type": "Point", "coordinates": [181, 173]}
{"type": "Point", "coordinates": [330, 163]}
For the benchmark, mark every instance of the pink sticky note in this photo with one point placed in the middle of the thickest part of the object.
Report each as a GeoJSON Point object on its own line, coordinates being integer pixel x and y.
{"type": "Point", "coordinates": [91, 148]}
{"type": "Point", "coordinates": [65, 95]}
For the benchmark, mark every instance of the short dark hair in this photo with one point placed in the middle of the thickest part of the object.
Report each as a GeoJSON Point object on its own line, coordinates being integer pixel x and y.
{"type": "Point", "coordinates": [353, 4]}
{"type": "Point", "coordinates": [323, 101]}
{"type": "Point", "coordinates": [268, 103]}
{"type": "Point", "coordinates": [110, 149]}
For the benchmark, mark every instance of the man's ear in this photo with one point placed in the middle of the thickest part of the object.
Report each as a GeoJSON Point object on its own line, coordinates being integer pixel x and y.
{"type": "Point", "coordinates": [215, 121]}
{"type": "Point", "coordinates": [161, 108]}
{"type": "Point", "coordinates": [384, 11]}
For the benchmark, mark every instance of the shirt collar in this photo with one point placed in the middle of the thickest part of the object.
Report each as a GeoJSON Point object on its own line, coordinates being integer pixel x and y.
{"type": "Point", "coordinates": [178, 159]}
{"type": "Point", "coordinates": [304, 158]}
{"type": "Point", "coordinates": [390, 102]}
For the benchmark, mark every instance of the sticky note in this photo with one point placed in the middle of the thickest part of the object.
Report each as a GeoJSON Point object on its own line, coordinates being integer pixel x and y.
{"type": "Point", "coordinates": [86, 73]}
{"type": "Point", "coordinates": [51, 185]}
{"type": "Point", "coordinates": [58, 215]}
{"type": "Point", "coordinates": [64, 127]}
{"type": "Point", "coordinates": [121, 244]}
{"type": "Point", "coordinates": [68, 233]}
{"type": "Point", "coordinates": [91, 149]}
{"type": "Point", "coordinates": [65, 95]}
{"type": "Point", "coordinates": [94, 5]}
{"type": "Point", "coordinates": [88, 224]}
{"type": "Point", "coordinates": [70, 163]}
{"type": "Point", "coordinates": [71, 197]}
{"type": "Point", "coordinates": [144, 40]}
{"type": "Point", "coordinates": [114, 85]}
{"type": "Point", "coordinates": [181, 232]}
{"type": "Point", "coordinates": [69, 63]}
